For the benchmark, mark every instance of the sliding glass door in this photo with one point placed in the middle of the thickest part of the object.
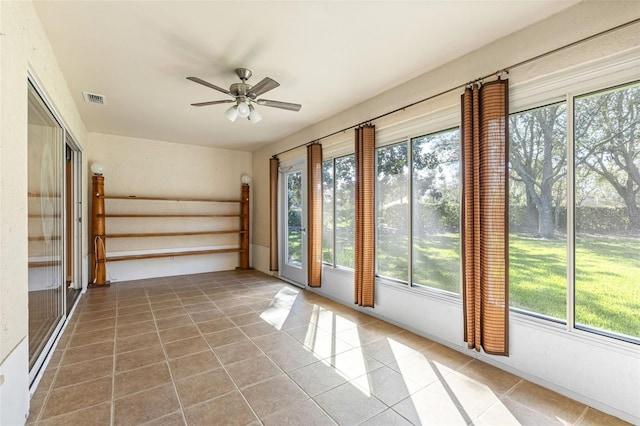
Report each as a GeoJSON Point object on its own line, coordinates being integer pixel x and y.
{"type": "Point", "coordinates": [46, 215]}
{"type": "Point", "coordinates": [294, 244]}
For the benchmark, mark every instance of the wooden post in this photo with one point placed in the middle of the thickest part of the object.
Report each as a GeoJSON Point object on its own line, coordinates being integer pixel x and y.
{"type": "Point", "coordinates": [98, 256]}
{"type": "Point", "coordinates": [244, 228]}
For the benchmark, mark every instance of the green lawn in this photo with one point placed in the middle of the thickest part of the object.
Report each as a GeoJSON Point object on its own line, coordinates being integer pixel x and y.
{"type": "Point", "coordinates": [607, 275]}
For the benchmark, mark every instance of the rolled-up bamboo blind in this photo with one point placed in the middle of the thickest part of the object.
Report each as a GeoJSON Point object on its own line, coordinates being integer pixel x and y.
{"type": "Point", "coordinates": [364, 276]}
{"type": "Point", "coordinates": [314, 213]}
{"type": "Point", "coordinates": [274, 164]}
{"type": "Point", "coordinates": [485, 232]}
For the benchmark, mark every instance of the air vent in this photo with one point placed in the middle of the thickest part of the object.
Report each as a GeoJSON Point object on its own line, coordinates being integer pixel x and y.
{"type": "Point", "coordinates": [94, 98]}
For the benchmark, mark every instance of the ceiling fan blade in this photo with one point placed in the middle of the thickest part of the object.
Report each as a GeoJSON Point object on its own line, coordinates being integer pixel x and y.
{"type": "Point", "coordinates": [206, 83]}
{"type": "Point", "coordinates": [199, 104]}
{"type": "Point", "coordinates": [278, 104]}
{"type": "Point", "coordinates": [263, 86]}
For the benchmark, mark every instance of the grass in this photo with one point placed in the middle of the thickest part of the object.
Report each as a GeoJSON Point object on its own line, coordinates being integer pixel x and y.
{"type": "Point", "coordinates": [607, 275]}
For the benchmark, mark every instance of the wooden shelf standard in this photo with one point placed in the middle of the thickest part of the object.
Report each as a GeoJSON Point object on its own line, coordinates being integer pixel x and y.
{"type": "Point", "coordinates": [99, 256]}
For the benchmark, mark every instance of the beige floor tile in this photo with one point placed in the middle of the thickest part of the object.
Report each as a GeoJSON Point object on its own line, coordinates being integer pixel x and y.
{"type": "Point", "coordinates": [470, 396]}
{"type": "Point", "coordinates": [225, 337]}
{"type": "Point", "coordinates": [387, 418]}
{"type": "Point", "coordinates": [166, 303]}
{"type": "Point", "coordinates": [547, 401]}
{"type": "Point", "coordinates": [349, 405]}
{"type": "Point", "coordinates": [445, 356]}
{"type": "Point", "coordinates": [594, 417]}
{"type": "Point", "coordinates": [83, 353]}
{"type": "Point", "coordinates": [306, 413]}
{"type": "Point", "coordinates": [420, 369]}
{"type": "Point", "coordinates": [141, 379]}
{"type": "Point", "coordinates": [200, 307]}
{"type": "Point", "coordinates": [387, 385]}
{"type": "Point", "coordinates": [140, 358]}
{"type": "Point", "coordinates": [83, 371]}
{"type": "Point", "coordinates": [193, 364]}
{"type": "Point", "coordinates": [353, 363]}
{"type": "Point", "coordinates": [168, 312]}
{"type": "Point", "coordinates": [130, 310]}
{"type": "Point", "coordinates": [145, 406]}
{"type": "Point", "coordinates": [129, 330]}
{"type": "Point", "coordinates": [251, 371]}
{"type": "Point", "coordinates": [246, 319]}
{"type": "Point", "coordinates": [510, 412]}
{"type": "Point", "coordinates": [499, 381]}
{"type": "Point", "coordinates": [185, 347]}
{"type": "Point", "coordinates": [237, 310]}
{"type": "Point", "coordinates": [317, 378]}
{"type": "Point", "coordinates": [212, 326]}
{"type": "Point", "coordinates": [203, 387]}
{"type": "Point", "coordinates": [211, 314]}
{"type": "Point", "coordinates": [135, 318]}
{"type": "Point", "coordinates": [140, 341]}
{"type": "Point", "coordinates": [75, 397]}
{"type": "Point", "coordinates": [276, 342]}
{"type": "Point", "coordinates": [265, 400]}
{"type": "Point", "coordinates": [293, 358]}
{"type": "Point", "coordinates": [94, 316]}
{"type": "Point", "coordinates": [98, 415]}
{"type": "Point", "coordinates": [95, 325]}
{"type": "Point", "coordinates": [173, 419]}
{"type": "Point", "coordinates": [237, 352]}
{"type": "Point", "coordinates": [179, 333]}
{"type": "Point", "coordinates": [90, 337]}
{"type": "Point", "coordinates": [431, 408]}
{"type": "Point", "coordinates": [228, 410]}
{"type": "Point", "coordinates": [258, 329]}
{"type": "Point", "coordinates": [173, 322]}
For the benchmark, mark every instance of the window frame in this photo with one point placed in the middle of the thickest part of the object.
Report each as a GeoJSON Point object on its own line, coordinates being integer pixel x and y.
{"type": "Point", "coordinates": [565, 86]}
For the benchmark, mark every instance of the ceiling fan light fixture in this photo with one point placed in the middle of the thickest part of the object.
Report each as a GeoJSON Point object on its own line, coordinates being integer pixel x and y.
{"type": "Point", "coordinates": [254, 115]}
{"type": "Point", "coordinates": [231, 113]}
{"type": "Point", "coordinates": [243, 109]}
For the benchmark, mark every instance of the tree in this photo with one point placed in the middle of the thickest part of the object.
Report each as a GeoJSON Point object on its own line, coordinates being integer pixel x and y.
{"type": "Point", "coordinates": [538, 160]}
{"type": "Point", "coordinates": [608, 142]}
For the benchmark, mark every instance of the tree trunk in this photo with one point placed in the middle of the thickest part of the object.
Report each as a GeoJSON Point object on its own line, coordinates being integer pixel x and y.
{"type": "Point", "coordinates": [634, 212]}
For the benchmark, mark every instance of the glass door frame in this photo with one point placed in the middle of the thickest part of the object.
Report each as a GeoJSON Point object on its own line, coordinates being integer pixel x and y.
{"type": "Point", "coordinates": [36, 370]}
{"type": "Point", "coordinates": [296, 274]}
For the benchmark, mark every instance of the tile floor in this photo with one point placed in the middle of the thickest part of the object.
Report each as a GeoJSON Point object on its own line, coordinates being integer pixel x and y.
{"type": "Point", "coordinates": [235, 348]}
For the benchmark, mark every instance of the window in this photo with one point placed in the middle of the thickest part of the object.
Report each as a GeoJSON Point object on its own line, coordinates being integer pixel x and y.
{"type": "Point", "coordinates": [607, 210]}
{"type": "Point", "coordinates": [436, 210]}
{"type": "Point", "coordinates": [537, 210]}
{"type": "Point", "coordinates": [327, 212]}
{"type": "Point", "coordinates": [338, 188]}
{"type": "Point", "coordinates": [392, 211]}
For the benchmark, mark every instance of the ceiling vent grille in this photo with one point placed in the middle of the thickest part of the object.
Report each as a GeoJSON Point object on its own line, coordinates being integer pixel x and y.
{"type": "Point", "coordinates": [94, 98]}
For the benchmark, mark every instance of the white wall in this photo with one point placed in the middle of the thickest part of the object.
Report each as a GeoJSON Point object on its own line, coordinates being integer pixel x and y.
{"type": "Point", "coordinates": [153, 168]}
{"type": "Point", "coordinates": [601, 372]}
{"type": "Point", "coordinates": [23, 48]}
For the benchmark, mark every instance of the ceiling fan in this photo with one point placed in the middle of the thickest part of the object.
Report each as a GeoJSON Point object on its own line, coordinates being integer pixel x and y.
{"type": "Point", "coordinates": [244, 96]}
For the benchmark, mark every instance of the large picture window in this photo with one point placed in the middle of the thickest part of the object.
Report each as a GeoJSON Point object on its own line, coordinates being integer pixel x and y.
{"type": "Point", "coordinates": [436, 210]}
{"type": "Point", "coordinates": [392, 205]}
{"type": "Point", "coordinates": [537, 210]}
{"type": "Point", "coordinates": [338, 187]}
{"type": "Point", "coordinates": [607, 210]}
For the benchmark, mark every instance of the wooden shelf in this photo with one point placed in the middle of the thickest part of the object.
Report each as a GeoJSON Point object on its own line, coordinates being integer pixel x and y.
{"type": "Point", "coordinates": [169, 215]}
{"type": "Point", "coordinates": [135, 197]}
{"type": "Point", "coordinates": [173, 234]}
{"type": "Point", "coordinates": [100, 237]}
{"type": "Point", "coordinates": [172, 254]}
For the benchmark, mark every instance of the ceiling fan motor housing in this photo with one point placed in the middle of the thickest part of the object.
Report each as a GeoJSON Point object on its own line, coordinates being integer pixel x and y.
{"type": "Point", "coordinates": [239, 89]}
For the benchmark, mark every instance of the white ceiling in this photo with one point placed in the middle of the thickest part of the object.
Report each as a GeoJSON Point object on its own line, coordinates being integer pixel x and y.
{"type": "Point", "coordinates": [327, 56]}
